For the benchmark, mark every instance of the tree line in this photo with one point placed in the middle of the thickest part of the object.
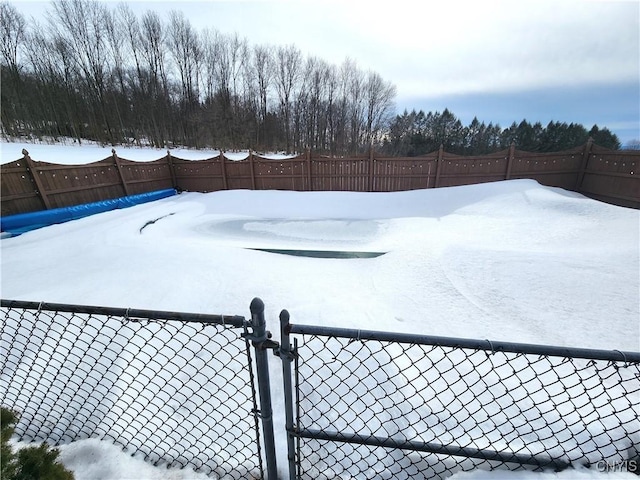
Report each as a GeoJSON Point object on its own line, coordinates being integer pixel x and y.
{"type": "Point", "coordinates": [416, 133]}
{"type": "Point", "coordinates": [104, 74]}
{"type": "Point", "coordinates": [100, 73]}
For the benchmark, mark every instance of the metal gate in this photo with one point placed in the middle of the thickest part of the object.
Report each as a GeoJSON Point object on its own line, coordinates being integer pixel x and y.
{"type": "Point", "coordinates": [177, 388]}
{"type": "Point", "coordinates": [364, 404]}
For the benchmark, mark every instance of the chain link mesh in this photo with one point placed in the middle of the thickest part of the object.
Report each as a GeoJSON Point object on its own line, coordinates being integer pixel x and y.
{"type": "Point", "coordinates": [174, 393]}
{"type": "Point", "coordinates": [536, 409]}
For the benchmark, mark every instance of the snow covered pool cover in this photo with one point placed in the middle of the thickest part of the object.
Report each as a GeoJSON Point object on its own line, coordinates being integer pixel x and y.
{"type": "Point", "coordinates": [320, 253]}
{"type": "Point", "coordinates": [327, 238]}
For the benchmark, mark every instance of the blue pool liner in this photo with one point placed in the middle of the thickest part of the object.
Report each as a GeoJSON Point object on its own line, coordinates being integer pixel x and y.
{"type": "Point", "coordinates": [13, 225]}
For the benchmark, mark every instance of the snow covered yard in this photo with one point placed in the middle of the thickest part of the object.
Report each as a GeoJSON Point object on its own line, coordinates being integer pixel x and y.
{"type": "Point", "coordinates": [511, 261]}
{"type": "Point", "coordinates": [507, 261]}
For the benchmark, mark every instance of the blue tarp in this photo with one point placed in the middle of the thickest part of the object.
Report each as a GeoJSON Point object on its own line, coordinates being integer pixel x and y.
{"type": "Point", "coordinates": [13, 225]}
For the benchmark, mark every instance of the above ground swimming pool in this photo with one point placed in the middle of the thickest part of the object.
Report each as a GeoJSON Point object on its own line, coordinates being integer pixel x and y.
{"type": "Point", "coordinates": [326, 238]}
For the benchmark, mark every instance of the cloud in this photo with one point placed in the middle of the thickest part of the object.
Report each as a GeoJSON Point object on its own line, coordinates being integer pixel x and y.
{"type": "Point", "coordinates": [456, 46]}
{"type": "Point", "coordinates": [452, 49]}
{"type": "Point", "coordinates": [521, 47]}
{"type": "Point", "coordinates": [442, 48]}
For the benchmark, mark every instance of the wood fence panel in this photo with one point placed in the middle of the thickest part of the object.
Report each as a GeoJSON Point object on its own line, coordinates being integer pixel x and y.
{"type": "Point", "coordinates": [456, 170]}
{"type": "Point", "coordinates": [612, 175]}
{"type": "Point", "coordinates": [19, 191]}
{"type": "Point", "coordinates": [423, 173]}
{"type": "Point", "coordinates": [284, 174]}
{"type": "Point", "coordinates": [299, 170]}
{"type": "Point", "coordinates": [384, 170]}
{"type": "Point", "coordinates": [239, 174]}
{"type": "Point", "coordinates": [382, 174]}
{"type": "Point", "coordinates": [409, 173]}
{"type": "Point", "coordinates": [316, 174]}
{"type": "Point", "coordinates": [556, 169]}
{"type": "Point", "coordinates": [198, 176]}
{"type": "Point", "coordinates": [319, 179]}
{"type": "Point", "coordinates": [324, 173]}
{"type": "Point", "coordinates": [143, 177]}
{"type": "Point", "coordinates": [404, 173]}
{"type": "Point", "coordinates": [353, 174]}
{"type": "Point", "coordinates": [67, 185]}
{"type": "Point", "coordinates": [340, 174]}
{"type": "Point", "coordinates": [380, 180]}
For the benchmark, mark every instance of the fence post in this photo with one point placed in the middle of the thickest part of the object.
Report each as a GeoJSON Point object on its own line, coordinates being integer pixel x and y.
{"type": "Point", "coordinates": [223, 168]}
{"type": "Point", "coordinates": [371, 160]}
{"type": "Point", "coordinates": [172, 172]}
{"type": "Point", "coordinates": [259, 339]}
{"type": "Point", "coordinates": [439, 165]}
{"type": "Point", "coordinates": [253, 172]}
{"type": "Point", "coordinates": [116, 160]}
{"type": "Point", "coordinates": [512, 152]}
{"type": "Point", "coordinates": [308, 160]}
{"type": "Point", "coordinates": [583, 165]}
{"type": "Point", "coordinates": [31, 168]}
{"type": "Point", "coordinates": [286, 355]}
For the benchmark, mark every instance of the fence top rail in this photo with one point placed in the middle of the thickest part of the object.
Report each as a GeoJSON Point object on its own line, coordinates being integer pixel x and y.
{"type": "Point", "coordinates": [487, 345]}
{"type": "Point", "coordinates": [235, 321]}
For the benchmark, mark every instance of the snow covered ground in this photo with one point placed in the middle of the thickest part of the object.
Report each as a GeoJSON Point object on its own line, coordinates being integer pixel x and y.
{"type": "Point", "coordinates": [69, 152]}
{"type": "Point", "coordinates": [511, 261]}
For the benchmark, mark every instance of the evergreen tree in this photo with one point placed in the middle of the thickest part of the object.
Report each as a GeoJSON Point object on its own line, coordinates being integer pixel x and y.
{"type": "Point", "coordinates": [29, 463]}
{"type": "Point", "coordinates": [604, 138]}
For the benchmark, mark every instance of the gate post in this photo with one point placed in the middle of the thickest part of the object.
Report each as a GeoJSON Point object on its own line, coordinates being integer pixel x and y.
{"type": "Point", "coordinates": [260, 344]}
{"type": "Point", "coordinates": [286, 355]}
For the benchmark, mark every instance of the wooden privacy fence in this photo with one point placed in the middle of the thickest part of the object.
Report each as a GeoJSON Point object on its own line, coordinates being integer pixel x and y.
{"type": "Point", "coordinates": [600, 173]}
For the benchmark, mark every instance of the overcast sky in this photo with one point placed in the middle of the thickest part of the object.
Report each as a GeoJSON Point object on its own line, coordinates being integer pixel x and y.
{"type": "Point", "coordinates": [502, 61]}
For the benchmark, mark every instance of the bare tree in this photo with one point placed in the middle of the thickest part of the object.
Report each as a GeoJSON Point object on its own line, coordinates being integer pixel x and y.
{"type": "Point", "coordinates": [210, 41]}
{"type": "Point", "coordinates": [262, 73]}
{"type": "Point", "coordinates": [318, 104]}
{"type": "Point", "coordinates": [238, 53]}
{"type": "Point", "coordinates": [152, 42]}
{"type": "Point", "coordinates": [184, 45]}
{"type": "Point", "coordinates": [288, 72]}
{"type": "Point", "coordinates": [223, 76]}
{"type": "Point", "coordinates": [80, 24]}
{"type": "Point", "coordinates": [353, 97]}
{"type": "Point", "coordinates": [378, 97]}
{"type": "Point", "coordinates": [141, 119]}
{"type": "Point", "coordinates": [633, 144]}
{"type": "Point", "coordinates": [128, 24]}
{"type": "Point", "coordinates": [310, 113]}
{"type": "Point", "coordinates": [342, 102]}
{"type": "Point", "coordinates": [332, 116]}
{"type": "Point", "coordinates": [12, 25]}
{"type": "Point", "coordinates": [55, 104]}
{"type": "Point", "coordinates": [238, 58]}
{"type": "Point", "coordinates": [116, 38]}
{"type": "Point", "coordinates": [153, 34]}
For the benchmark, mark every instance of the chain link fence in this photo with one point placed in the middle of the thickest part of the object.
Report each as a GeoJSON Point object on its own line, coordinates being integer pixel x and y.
{"type": "Point", "coordinates": [379, 405]}
{"type": "Point", "coordinates": [176, 389]}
